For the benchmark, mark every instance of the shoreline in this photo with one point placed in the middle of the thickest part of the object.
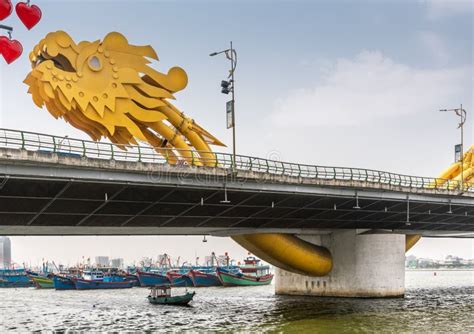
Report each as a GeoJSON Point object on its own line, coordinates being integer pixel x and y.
{"type": "Point", "coordinates": [439, 269]}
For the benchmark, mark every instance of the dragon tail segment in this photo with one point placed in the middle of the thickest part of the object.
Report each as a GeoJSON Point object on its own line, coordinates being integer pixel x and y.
{"type": "Point", "coordinates": [456, 172]}
{"type": "Point", "coordinates": [411, 240]}
{"type": "Point", "coordinates": [288, 252]}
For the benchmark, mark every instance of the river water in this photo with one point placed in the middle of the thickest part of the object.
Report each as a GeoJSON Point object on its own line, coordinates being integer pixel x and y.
{"type": "Point", "coordinates": [441, 303]}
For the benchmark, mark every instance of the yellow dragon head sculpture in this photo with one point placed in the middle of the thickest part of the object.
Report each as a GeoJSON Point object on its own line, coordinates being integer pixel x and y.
{"type": "Point", "coordinates": [107, 89]}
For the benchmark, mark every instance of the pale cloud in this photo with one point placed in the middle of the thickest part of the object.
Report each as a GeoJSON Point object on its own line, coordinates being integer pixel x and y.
{"type": "Point", "coordinates": [441, 8]}
{"type": "Point", "coordinates": [435, 44]}
{"type": "Point", "coordinates": [369, 87]}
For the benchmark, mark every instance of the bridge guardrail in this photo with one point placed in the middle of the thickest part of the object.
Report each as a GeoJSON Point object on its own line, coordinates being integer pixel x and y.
{"type": "Point", "coordinates": [38, 142]}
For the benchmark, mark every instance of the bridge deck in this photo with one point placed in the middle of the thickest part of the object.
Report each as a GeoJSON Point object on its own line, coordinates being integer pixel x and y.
{"type": "Point", "coordinates": [50, 193]}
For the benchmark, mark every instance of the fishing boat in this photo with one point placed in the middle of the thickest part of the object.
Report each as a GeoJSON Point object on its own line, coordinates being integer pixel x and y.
{"type": "Point", "coordinates": [162, 295]}
{"type": "Point", "coordinates": [97, 280]}
{"type": "Point", "coordinates": [178, 279]}
{"type": "Point", "coordinates": [14, 278]}
{"type": "Point", "coordinates": [252, 273]}
{"type": "Point", "coordinates": [63, 282]}
{"type": "Point", "coordinates": [130, 277]}
{"type": "Point", "coordinates": [41, 281]}
{"type": "Point", "coordinates": [152, 278]}
{"type": "Point", "coordinates": [203, 279]}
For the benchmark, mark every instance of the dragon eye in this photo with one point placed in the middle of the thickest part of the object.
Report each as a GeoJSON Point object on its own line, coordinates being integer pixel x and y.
{"type": "Point", "coordinates": [94, 63]}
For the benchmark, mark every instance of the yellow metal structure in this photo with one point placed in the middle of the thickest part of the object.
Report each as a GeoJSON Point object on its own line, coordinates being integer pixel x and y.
{"type": "Point", "coordinates": [288, 252]}
{"type": "Point", "coordinates": [107, 89]}
{"type": "Point", "coordinates": [411, 240]}
{"type": "Point", "coordinates": [460, 172]}
{"type": "Point", "coordinates": [456, 172]}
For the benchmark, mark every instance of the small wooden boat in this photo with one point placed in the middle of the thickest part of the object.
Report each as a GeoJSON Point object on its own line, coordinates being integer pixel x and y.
{"type": "Point", "coordinates": [162, 295]}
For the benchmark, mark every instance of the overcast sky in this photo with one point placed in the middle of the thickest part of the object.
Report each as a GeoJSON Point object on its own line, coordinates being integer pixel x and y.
{"type": "Point", "coordinates": [344, 83]}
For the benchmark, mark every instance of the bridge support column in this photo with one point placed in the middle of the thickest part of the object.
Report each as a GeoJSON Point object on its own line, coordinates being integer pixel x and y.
{"type": "Point", "coordinates": [371, 265]}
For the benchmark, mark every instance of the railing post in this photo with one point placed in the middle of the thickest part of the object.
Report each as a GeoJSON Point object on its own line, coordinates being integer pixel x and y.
{"type": "Point", "coordinates": [54, 144]}
{"type": "Point", "coordinates": [22, 140]}
{"type": "Point", "coordinates": [112, 151]}
{"type": "Point", "coordinates": [83, 148]}
{"type": "Point", "coordinates": [139, 154]}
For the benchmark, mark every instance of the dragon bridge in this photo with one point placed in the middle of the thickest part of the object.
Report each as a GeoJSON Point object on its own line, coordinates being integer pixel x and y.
{"type": "Point", "coordinates": [108, 90]}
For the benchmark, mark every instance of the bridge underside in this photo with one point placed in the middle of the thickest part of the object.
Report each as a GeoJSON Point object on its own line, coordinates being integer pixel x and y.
{"type": "Point", "coordinates": [59, 206]}
{"type": "Point", "coordinates": [52, 194]}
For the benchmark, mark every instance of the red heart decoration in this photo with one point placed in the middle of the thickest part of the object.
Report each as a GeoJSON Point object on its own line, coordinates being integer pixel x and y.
{"type": "Point", "coordinates": [10, 49]}
{"type": "Point", "coordinates": [29, 15]}
{"type": "Point", "coordinates": [5, 9]}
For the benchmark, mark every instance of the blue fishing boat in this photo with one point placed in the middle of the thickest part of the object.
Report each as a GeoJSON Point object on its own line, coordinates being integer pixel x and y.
{"type": "Point", "coordinates": [62, 282]}
{"type": "Point", "coordinates": [130, 277]}
{"type": "Point", "coordinates": [203, 279]}
{"type": "Point", "coordinates": [97, 280]}
{"type": "Point", "coordinates": [152, 278]}
{"type": "Point", "coordinates": [14, 278]}
{"type": "Point", "coordinates": [178, 279]}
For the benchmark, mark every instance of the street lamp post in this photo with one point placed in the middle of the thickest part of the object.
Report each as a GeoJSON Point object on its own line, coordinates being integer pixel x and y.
{"type": "Point", "coordinates": [462, 115]}
{"type": "Point", "coordinates": [229, 87]}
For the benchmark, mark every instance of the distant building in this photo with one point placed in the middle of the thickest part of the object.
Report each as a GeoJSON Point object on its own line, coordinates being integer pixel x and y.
{"type": "Point", "coordinates": [116, 263]}
{"type": "Point", "coordinates": [411, 261]}
{"type": "Point", "coordinates": [452, 261]}
{"type": "Point", "coordinates": [5, 252]}
{"type": "Point", "coordinates": [102, 261]}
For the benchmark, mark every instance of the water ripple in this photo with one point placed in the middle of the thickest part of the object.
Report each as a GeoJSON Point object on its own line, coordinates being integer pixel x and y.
{"type": "Point", "coordinates": [432, 304]}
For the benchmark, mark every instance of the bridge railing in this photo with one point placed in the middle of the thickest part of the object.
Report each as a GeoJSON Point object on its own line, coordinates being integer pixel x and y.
{"type": "Point", "coordinates": [65, 146]}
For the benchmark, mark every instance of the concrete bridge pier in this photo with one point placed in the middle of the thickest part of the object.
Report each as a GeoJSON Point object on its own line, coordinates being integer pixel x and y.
{"type": "Point", "coordinates": [370, 265]}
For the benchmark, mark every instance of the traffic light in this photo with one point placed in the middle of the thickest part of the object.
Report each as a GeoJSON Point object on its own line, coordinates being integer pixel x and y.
{"type": "Point", "coordinates": [226, 87]}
